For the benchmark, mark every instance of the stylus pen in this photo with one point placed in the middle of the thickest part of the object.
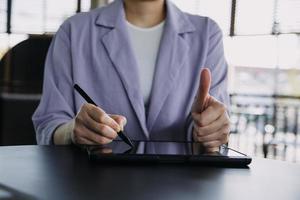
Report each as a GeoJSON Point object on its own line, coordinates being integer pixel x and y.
{"type": "Point", "coordinates": [89, 100]}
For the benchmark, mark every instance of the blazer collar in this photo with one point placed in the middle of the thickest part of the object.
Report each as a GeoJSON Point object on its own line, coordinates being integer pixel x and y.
{"type": "Point", "coordinates": [172, 54]}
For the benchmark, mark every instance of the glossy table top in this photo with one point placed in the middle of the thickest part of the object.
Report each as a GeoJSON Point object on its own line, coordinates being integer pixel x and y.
{"type": "Point", "coordinates": [63, 172]}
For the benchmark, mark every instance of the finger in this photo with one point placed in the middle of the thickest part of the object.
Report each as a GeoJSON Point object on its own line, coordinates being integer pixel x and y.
{"type": "Point", "coordinates": [96, 138]}
{"type": "Point", "coordinates": [212, 144]}
{"type": "Point", "coordinates": [83, 140]}
{"type": "Point", "coordinates": [222, 121]}
{"type": "Point", "coordinates": [209, 115]}
{"type": "Point", "coordinates": [216, 143]}
{"type": "Point", "coordinates": [100, 116]}
{"type": "Point", "coordinates": [219, 135]}
{"type": "Point", "coordinates": [212, 150]}
{"type": "Point", "coordinates": [208, 138]}
{"type": "Point", "coordinates": [121, 120]}
{"type": "Point", "coordinates": [98, 128]}
{"type": "Point", "coordinates": [202, 94]}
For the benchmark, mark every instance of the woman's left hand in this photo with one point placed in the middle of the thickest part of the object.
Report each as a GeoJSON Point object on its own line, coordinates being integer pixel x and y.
{"type": "Point", "coordinates": [211, 121]}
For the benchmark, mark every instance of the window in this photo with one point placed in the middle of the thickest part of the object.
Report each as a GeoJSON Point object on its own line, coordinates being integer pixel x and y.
{"type": "Point", "coordinates": [215, 9]}
{"type": "Point", "coordinates": [34, 17]}
{"type": "Point", "coordinates": [3, 16]}
{"type": "Point", "coordinates": [288, 17]}
{"type": "Point", "coordinates": [263, 50]}
{"type": "Point", "coordinates": [27, 16]}
{"type": "Point", "coordinates": [254, 17]}
{"type": "Point", "coordinates": [289, 51]}
{"type": "Point", "coordinates": [38, 16]}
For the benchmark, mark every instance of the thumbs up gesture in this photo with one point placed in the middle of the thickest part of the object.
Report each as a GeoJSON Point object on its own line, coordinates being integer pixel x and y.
{"type": "Point", "coordinates": [211, 121]}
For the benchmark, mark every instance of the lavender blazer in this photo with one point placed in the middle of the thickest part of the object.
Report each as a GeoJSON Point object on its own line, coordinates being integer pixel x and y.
{"type": "Point", "coordinates": [93, 50]}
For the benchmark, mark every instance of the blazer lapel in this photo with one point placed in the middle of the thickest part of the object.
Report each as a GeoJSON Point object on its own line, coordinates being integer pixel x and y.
{"type": "Point", "coordinates": [172, 55]}
{"type": "Point", "coordinates": [117, 44]}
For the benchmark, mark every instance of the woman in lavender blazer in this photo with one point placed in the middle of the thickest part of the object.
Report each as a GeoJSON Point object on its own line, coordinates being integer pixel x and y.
{"type": "Point", "coordinates": [93, 50]}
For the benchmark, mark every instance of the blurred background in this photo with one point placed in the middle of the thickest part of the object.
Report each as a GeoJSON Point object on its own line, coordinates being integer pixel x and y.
{"type": "Point", "coordinates": [262, 47]}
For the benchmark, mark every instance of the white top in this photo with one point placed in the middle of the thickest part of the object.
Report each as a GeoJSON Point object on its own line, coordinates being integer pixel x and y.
{"type": "Point", "coordinates": [145, 44]}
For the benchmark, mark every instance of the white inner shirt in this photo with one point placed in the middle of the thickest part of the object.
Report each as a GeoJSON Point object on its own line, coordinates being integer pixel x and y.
{"type": "Point", "coordinates": [145, 44]}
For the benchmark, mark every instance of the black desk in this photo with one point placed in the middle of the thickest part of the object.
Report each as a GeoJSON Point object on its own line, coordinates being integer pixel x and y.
{"type": "Point", "coordinates": [45, 172]}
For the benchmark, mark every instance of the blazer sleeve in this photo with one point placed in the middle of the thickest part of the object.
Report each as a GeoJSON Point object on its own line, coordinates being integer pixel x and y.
{"type": "Point", "coordinates": [57, 102]}
{"type": "Point", "coordinates": [218, 66]}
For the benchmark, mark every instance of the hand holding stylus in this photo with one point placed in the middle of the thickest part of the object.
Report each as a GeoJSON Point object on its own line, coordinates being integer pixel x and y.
{"type": "Point", "coordinates": [94, 126]}
{"type": "Point", "coordinates": [211, 121]}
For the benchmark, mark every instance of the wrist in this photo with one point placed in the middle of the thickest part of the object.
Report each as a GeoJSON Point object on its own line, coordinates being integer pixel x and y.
{"type": "Point", "coordinates": [64, 133]}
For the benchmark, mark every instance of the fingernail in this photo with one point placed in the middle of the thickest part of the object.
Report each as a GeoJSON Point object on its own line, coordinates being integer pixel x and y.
{"type": "Point", "coordinates": [124, 122]}
{"type": "Point", "coordinates": [118, 128]}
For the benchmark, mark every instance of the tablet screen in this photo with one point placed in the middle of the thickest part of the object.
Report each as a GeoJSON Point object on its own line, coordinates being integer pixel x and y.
{"type": "Point", "coordinates": [160, 148]}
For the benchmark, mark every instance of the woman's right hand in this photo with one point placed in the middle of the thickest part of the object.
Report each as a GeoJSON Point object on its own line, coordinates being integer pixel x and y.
{"type": "Point", "coordinates": [92, 125]}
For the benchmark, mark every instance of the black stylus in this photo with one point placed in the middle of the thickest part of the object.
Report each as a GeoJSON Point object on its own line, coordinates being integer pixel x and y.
{"type": "Point", "coordinates": [89, 100]}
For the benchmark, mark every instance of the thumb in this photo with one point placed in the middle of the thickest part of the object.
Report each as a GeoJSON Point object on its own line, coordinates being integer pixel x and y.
{"type": "Point", "coordinates": [202, 94]}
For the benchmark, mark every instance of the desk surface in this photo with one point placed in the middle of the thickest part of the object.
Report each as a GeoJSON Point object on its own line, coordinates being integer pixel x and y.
{"type": "Point", "coordinates": [47, 172]}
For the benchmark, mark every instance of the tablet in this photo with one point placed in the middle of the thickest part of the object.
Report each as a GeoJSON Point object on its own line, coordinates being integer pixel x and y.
{"type": "Point", "coordinates": [166, 152]}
